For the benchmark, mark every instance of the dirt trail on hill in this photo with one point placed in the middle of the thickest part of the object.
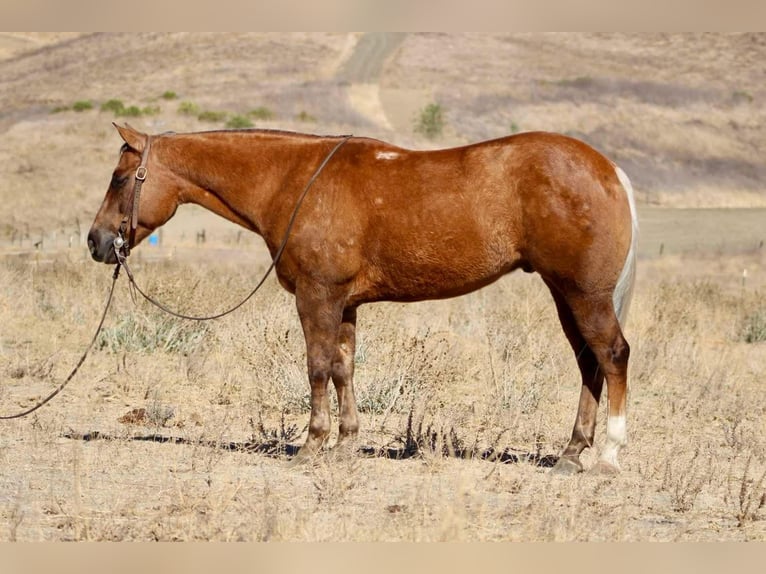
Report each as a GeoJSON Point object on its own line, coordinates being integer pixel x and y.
{"type": "Point", "coordinates": [370, 53]}
{"type": "Point", "coordinates": [390, 109]}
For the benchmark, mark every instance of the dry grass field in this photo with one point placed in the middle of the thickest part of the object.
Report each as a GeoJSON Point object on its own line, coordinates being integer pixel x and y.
{"type": "Point", "coordinates": [179, 431]}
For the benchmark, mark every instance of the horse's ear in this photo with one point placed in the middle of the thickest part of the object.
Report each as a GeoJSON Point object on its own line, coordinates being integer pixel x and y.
{"type": "Point", "coordinates": [135, 139]}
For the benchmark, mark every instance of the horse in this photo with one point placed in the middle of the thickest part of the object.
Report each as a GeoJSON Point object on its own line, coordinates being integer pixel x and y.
{"type": "Point", "coordinates": [385, 223]}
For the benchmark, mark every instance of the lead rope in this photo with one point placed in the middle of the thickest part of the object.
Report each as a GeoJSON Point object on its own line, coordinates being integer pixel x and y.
{"type": "Point", "coordinates": [123, 260]}
{"type": "Point", "coordinates": [82, 358]}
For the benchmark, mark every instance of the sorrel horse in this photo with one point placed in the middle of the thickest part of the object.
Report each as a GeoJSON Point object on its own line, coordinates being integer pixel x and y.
{"type": "Point", "coordinates": [386, 223]}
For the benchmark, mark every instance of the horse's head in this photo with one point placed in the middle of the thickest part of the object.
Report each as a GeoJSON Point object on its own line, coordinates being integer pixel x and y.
{"type": "Point", "coordinates": [157, 203]}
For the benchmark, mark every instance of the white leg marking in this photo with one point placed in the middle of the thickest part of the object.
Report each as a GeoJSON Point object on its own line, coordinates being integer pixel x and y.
{"type": "Point", "coordinates": [616, 438]}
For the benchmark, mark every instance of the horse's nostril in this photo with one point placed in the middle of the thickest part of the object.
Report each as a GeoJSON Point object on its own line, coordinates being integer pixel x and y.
{"type": "Point", "coordinates": [91, 246]}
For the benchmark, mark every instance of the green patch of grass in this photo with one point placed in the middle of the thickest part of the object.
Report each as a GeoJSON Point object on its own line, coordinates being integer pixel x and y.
{"type": "Point", "coordinates": [136, 333]}
{"type": "Point", "coordinates": [113, 105]}
{"type": "Point", "coordinates": [261, 113]}
{"type": "Point", "coordinates": [150, 110]}
{"type": "Point", "coordinates": [238, 122]}
{"type": "Point", "coordinates": [120, 109]}
{"type": "Point", "coordinates": [169, 95]}
{"type": "Point", "coordinates": [82, 105]}
{"type": "Point", "coordinates": [430, 122]}
{"type": "Point", "coordinates": [211, 116]}
{"type": "Point", "coordinates": [131, 112]}
{"type": "Point", "coordinates": [59, 109]}
{"type": "Point", "coordinates": [188, 109]}
{"type": "Point", "coordinates": [753, 328]}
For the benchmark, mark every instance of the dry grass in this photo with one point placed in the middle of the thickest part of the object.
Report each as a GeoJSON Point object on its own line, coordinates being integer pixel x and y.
{"type": "Point", "coordinates": [682, 114]}
{"type": "Point", "coordinates": [225, 404]}
{"type": "Point", "coordinates": [174, 431]}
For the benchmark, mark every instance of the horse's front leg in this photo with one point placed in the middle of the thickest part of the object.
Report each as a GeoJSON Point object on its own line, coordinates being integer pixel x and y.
{"type": "Point", "coordinates": [321, 314]}
{"type": "Point", "coordinates": [343, 377]}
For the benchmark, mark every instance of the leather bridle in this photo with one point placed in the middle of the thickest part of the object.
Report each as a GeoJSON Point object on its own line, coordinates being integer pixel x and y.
{"type": "Point", "coordinates": [126, 238]}
{"type": "Point", "coordinates": [122, 247]}
{"type": "Point", "coordinates": [128, 226]}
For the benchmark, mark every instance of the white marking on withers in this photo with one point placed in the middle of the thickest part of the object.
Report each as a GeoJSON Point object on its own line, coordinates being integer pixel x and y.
{"type": "Point", "coordinates": [386, 155]}
{"type": "Point", "coordinates": [623, 291]}
{"type": "Point", "coordinates": [616, 438]}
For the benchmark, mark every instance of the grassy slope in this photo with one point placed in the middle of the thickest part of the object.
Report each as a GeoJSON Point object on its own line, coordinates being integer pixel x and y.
{"type": "Point", "coordinates": [682, 114]}
{"type": "Point", "coordinates": [493, 366]}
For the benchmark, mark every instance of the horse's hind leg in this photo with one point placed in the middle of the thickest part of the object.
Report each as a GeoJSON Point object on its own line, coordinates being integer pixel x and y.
{"type": "Point", "coordinates": [593, 331]}
{"type": "Point", "coordinates": [343, 376]}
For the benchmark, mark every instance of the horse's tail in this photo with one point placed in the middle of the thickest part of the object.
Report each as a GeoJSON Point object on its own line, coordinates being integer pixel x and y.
{"type": "Point", "coordinates": [623, 291]}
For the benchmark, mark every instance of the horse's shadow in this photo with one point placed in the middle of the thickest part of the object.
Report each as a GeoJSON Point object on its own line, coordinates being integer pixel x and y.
{"type": "Point", "coordinates": [280, 449]}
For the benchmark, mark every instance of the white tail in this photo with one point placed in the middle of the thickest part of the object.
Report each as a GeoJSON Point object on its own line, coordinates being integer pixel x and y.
{"type": "Point", "coordinates": [623, 291]}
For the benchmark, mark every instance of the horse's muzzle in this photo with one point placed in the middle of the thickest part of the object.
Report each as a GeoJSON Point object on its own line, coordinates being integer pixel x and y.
{"type": "Point", "coordinates": [101, 245]}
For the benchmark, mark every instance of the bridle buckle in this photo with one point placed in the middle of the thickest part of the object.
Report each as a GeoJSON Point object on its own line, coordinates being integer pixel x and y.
{"type": "Point", "coordinates": [141, 173]}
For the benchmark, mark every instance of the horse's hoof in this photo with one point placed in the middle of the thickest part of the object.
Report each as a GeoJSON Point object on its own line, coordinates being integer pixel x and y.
{"type": "Point", "coordinates": [303, 459]}
{"type": "Point", "coordinates": [603, 468]}
{"type": "Point", "coordinates": [566, 466]}
{"type": "Point", "coordinates": [346, 447]}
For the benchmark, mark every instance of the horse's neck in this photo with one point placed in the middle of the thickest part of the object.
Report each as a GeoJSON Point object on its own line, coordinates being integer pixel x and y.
{"type": "Point", "coordinates": [249, 179]}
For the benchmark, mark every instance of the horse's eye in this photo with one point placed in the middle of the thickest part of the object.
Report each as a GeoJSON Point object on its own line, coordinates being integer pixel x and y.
{"type": "Point", "coordinates": [118, 181]}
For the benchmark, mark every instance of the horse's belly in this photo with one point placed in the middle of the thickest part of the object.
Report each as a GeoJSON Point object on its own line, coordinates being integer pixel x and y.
{"type": "Point", "coordinates": [421, 280]}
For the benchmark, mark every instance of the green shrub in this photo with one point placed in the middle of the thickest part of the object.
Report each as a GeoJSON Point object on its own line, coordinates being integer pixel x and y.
{"type": "Point", "coordinates": [211, 116]}
{"type": "Point", "coordinates": [137, 333]}
{"type": "Point", "coordinates": [238, 122]}
{"type": "Point", "coordinates": [188, 108]}
{"type": "Point", "coordinates": [115, 106]}
{"type": "Point", "coordinates": [120, 109]}
{"type": "Point", "coordinates": [754, 327]}
{"type": "Point", "coordinates": [261, 113]}
{"type": "Point", "coordinates": [430, 123]}
{"type": "Point", "coordinates": [131, 112]}
{"type": "Point", "coordinates": [169, 95]}
{"type": "Point", "coordinates": [59, 109]}
{"type": "Point", "coordinates": [82, 105]}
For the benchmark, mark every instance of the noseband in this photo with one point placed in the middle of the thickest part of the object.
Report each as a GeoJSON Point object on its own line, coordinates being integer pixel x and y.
{"type": "Point", "coordinates": [131, 215]}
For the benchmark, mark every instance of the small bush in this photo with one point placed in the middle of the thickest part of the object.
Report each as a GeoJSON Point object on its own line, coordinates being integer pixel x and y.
{"type": "Point", "coordinates": [150, 110]}
{"type": "Point", "coordinates": [115, 106]}
{"type": "Point", "coordinates": [59, 109]}
{"type": "Point", "coordinates": [82, 105]}
{"type": "Point", "coordinates": [261, 113]}
{"type": "Point", "coordinates": [430, 123]}
{"type": "Point", "coordinates": [238, 122]}
{"type": "Point", "coordinates": [188, 108]}
{"type": "Point", "coordinates": [131, 112]}
{"type": "Point", "coordinates": [754, 327]}
{"type": "Point", "coordinates": [169, 95]}
{"type": "Point", "coordinates": [211, 116]}
{"type": "Point", "coordinates": [120, 109]}
{"type": "Point", "coordinates": [146, 334]}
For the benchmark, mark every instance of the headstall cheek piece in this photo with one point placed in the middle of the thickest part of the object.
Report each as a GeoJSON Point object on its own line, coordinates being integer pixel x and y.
{"type": "Point", "coordinates": [121, 245]}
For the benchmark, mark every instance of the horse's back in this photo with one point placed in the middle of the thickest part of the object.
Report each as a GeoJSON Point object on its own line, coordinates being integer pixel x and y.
{"type": "Point", "coordinates": [431, 224]}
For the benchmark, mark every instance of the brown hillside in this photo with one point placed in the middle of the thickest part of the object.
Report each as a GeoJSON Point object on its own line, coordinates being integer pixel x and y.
{"type": "Point", "coordinates": [682, 114]}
